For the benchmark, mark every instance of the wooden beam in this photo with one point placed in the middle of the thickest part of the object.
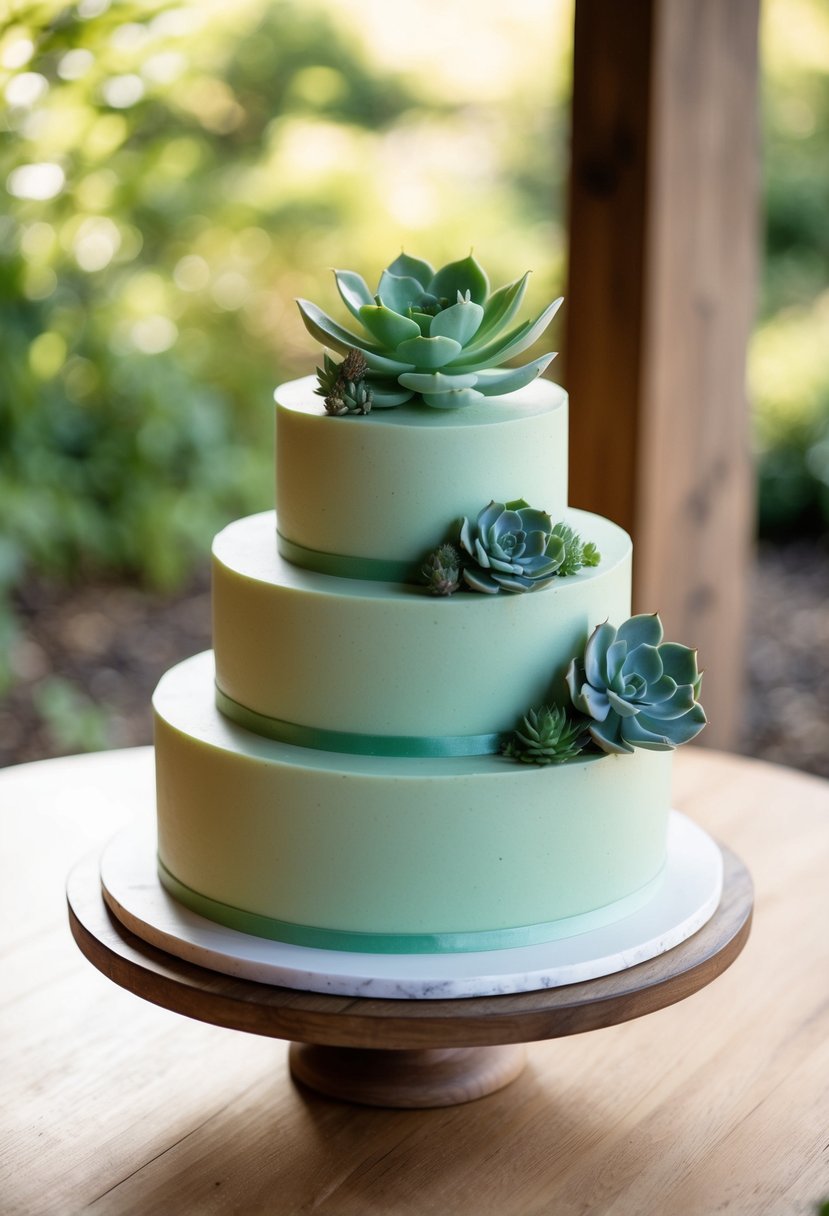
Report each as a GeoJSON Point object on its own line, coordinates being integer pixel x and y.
{"type": "Point", "coordinates": [663, 261]}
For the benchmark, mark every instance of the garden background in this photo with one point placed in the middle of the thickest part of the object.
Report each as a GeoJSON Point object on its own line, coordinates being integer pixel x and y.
{"type": "Point", "coordinates": [175, 174]}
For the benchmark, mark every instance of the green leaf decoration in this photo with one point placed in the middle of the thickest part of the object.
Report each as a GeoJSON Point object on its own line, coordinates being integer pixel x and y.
{"type": "Point", "coordinates": [513, 344]}
{"type": "Point", "coordinates": [398, 292]}
{"type": "Point", "coordinates": [436, 382]}
{"type": "Point", "coordinates": [328, 332]}
{"type": "Point", "coordinates": [428, 353]}
{"type": "Point", "coordinates": [387, 327]}
{"type": "Point", "coordinates": [406, 267]}
{"type": "Point", "coordinates": [454, 399]}
{"type": "Point", "coordinates": [460, 278]}
{"type": "Point", "coordinates": [353, 291]}
{"type": "Point", "coordinates": [459, 322]}
{"type": "Point", "coordinates": [502, 381]}
{"type": "Point", "coordinates": [500, 308]}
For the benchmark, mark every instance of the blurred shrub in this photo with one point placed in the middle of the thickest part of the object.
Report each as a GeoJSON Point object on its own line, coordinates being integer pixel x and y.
{"type": "Point", "coordinates": [174, 175]}
{"type": "Point", "coordinates": [789, 358]}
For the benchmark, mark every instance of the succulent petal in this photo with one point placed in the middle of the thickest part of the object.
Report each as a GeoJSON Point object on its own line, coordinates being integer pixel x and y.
{"type": "Point", "coordinates": [623, 708]}
{"type": "Point", "coordinates": [636, 732]}
{"type": "Point", "coordinates": [436, 382]}
{"type": "Point", "coordinates": [328, 332]}
{"type": "Point", "coordinates": [481, 555]}
{"type": "Point", "coordinates": [595, 654]}
{"type": "Point", "coordinates": [463, 276]}
{"type": "Point", "coordinates": [387, 398]}
{"type": "Point", "coordinates": [643, 629]}
{"type": "Point", "coordinates": [515, 582]}
{"type": "Point", "coordinates": [386, 326]}
{"type": "Point", "coordinates": [513, 343]}
{"type": "Point", "coordinates": [534, 521]}
{"type": "Point", "coordinates": [487, 517]}
{"type": "Point", "coordinates": [454, 399]}
{"type": "Point", "coordinates": [399, 292]}
{"type": "Point", "coordinates": [535, 544]}
{"type": "Point", "coordinates": [405, 266]}
{"type": "Point", "coordinates": [354, 291]}
{"type": "Point", "coordinates": [501, 307]}
{"type": "Point", "coordinates": [382, 364]}
{"type": "Point", "coordinates": [608, 737]}
{"type": "Point", "coordinates": [643, 659]}
{"type": "Point", "coordinates": [427, 353]}
{"type": "Point", "coordinates": [459, 321]}
{"type": "Point", "coordinates": [679, 662]}
{"type": "Point", "coordinates": [616, 655]}
{"type": "Point", "coordinates": [498, 382]}
{"type": "Point", "coordinates": [478, 580]}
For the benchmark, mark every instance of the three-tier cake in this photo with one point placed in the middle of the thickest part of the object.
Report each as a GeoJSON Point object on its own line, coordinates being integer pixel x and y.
{"type": "Point", "coordinates": [338, 772]}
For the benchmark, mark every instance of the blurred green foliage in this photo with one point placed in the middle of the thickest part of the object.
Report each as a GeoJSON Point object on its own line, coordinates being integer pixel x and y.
{"type": "Point", "coordinates": [789, 357]}
{"type": "Point", "coordinates": [175, 173]}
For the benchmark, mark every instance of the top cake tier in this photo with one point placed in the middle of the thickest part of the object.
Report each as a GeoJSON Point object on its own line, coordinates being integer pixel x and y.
{"type": "Point", "coordinates": [386, 486]}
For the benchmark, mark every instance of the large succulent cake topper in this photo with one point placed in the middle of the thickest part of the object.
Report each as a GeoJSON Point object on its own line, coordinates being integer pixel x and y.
{"type": "Point", "coordinates": [436, 336]}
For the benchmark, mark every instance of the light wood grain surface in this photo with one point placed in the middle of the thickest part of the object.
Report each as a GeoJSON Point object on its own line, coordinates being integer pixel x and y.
{"type": "Point", "coordinates": [717, 1104]}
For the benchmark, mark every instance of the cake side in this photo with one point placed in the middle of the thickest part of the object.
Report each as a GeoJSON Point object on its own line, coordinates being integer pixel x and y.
{"type": "Point", "coordinates": [386, 486]}
{"type": "Point", "coordinates": [397, 846]}
{"type": "Point", "coordinates": [357, 656]}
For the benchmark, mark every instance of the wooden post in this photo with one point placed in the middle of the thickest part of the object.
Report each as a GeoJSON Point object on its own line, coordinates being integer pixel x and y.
{"type": "Point", "coordinates": [663, 260]}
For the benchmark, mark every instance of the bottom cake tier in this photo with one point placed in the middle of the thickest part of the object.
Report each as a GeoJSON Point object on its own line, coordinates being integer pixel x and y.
{"type": "Point", "coordinates": [396, 855]}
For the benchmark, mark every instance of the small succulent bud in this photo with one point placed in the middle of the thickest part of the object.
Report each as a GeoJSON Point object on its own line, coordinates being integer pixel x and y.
{"type": "Point", "coordinates": [343, 385]}
{"type": "Point", "coordinates": [441, 570]}
{"type": "Point", "coordinates": [547, 736]}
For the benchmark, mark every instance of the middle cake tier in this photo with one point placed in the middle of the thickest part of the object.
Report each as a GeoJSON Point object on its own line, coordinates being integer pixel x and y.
{"type": "Point", "coordinates": [296, 649]}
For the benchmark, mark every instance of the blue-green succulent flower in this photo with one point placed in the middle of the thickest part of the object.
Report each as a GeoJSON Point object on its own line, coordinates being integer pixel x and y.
{"type": "Point", "coordinates": [513, 548]}
{"type": "Point", "coordinates": [438, 336]}
{"type": "Point", "coordinates": [637, 690]}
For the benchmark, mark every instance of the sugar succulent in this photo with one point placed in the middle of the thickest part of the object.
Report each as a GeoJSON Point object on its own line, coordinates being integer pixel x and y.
{"type": "Point", "coordinates": [511, 547]}
{"type": "Point", "coordinates": [441, 570]}
{"type": "Point", "coordinates": [343, 385]}
{"type": "Point", "coordinates": [438, 337]}
{"type": "Point", "coordinates": [577, 553]}
{"type": "Point", "coordinates": [636, 689]}
{"type": "Point", "coordinates": [547, 736]}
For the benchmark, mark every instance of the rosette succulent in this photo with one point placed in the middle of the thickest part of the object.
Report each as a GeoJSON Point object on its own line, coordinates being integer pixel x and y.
{"type": "Point", "coordinates": [637, 690]}
{"type": "Point", "coordinates": [438, 336]}
{"type": "Point", "coordinates": [441, 570]}
{"type": "Point", "coordinates": [512, 547]}
{"type": "Point", "coordinates": [547, 736]}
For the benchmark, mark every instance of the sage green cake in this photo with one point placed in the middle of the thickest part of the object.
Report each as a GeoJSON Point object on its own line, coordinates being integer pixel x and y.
{"type": "Point", "coordinates": [342, 770]}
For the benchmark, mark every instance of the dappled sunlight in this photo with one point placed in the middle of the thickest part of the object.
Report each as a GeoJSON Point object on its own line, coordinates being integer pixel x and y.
{"type": "Point", "coordinates": [177, 173]}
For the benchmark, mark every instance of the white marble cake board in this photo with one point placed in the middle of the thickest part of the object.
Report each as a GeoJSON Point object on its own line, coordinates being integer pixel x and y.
{"type": "Point", "coordinates": [686, 899]}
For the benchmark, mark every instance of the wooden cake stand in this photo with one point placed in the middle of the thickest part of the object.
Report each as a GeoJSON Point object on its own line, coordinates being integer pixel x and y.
{"type": "Point", "coordinates": [407, 1053]}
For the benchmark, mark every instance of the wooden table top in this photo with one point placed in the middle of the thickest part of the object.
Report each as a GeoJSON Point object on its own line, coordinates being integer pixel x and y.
{"type": "Point", "coordinates": [717, 1104]}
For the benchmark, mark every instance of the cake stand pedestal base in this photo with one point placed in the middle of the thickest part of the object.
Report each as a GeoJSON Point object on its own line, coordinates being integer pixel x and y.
{"type": "Point", "coordinates": [407, 1053]}
{"type": "Point", "coordinates": [439, 1076]}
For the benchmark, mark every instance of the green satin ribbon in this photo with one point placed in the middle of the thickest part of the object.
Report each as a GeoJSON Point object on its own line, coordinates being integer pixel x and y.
{"type": "Point", "coordinates": [418, 746]}
{"type": "Point", "coordinates": [371, 569]}
{"type": "Point", "coordinates": [257, 925]}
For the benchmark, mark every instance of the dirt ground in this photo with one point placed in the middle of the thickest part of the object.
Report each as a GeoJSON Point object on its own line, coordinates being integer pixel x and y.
{"type": "Point", "coordinates": [87, 660]}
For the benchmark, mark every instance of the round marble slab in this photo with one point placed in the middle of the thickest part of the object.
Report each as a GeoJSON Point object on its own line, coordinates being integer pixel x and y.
{"type": "Point", "coordinates": [685, 901]}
